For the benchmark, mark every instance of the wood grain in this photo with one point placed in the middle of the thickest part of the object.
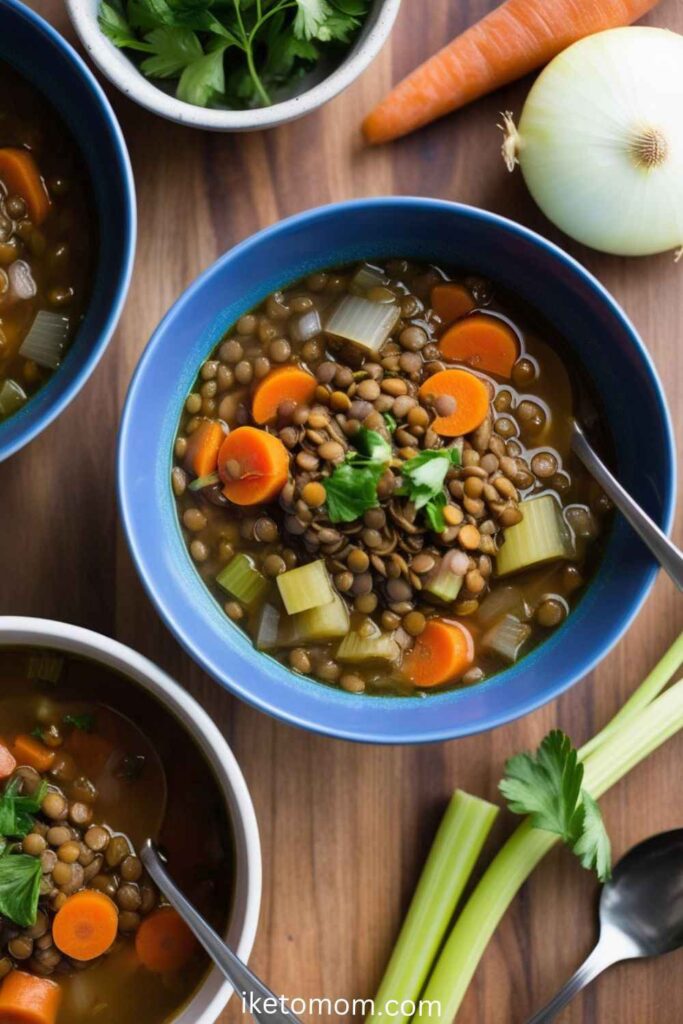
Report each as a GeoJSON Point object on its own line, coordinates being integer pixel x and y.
{"type": "Point", "coordinates": [345, 828]}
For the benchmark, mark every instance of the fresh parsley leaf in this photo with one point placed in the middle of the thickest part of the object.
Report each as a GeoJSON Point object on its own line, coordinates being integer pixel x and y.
{"type": "Point", "coordinates": [20, 877]}
{"type": "Point", "coordinates": [37, 733]}
{"type": "Point", "coordinates": [16, 812]}
{"type": "Point", "coordinates": [593, 847]}
{"type": "Point", "coordinates": [115, 27]}
{"type": "Point", "coordinates": [83, 722]}
{"type": "Point", "coordinates": [547, 786]}
{"type": "Point", "coordinates": [203, 79]}
{"type": "Point", "coordinates": [423, 482]}
{"type": "Point", "coordinates": [351, 491]}
{"type": "Point", "coordinates": [390, 422]}
{"type": "Point", "coordinates": [311, 18]}
{"type": "Point", "coordinates": [173, 49]}
{"type": "Point", "coordinates": [352, 488]}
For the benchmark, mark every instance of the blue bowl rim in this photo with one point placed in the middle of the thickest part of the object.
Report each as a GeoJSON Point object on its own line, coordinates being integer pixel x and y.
{"type": "Point", "coordinates": [431, 735]}
{"type": "Point", "coordinates": [66, 396]}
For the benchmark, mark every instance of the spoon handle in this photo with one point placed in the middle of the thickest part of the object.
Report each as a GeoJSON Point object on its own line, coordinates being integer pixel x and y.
{"type": "Point", "coordinates": [596, 963]}
{"type": "Point", "coordinates": [251, 990]}
{"type": "Point", "coordinates": [666, 553]}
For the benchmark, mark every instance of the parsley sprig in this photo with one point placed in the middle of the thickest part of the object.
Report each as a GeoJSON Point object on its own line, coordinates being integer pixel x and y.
{"type": "Point", "coordinates": [232, 53]}
{"type": "Point", "coordinates": [19, 874]}
{"type": "Point", "coordinates": [423, 482]}
{"type": "Point", "coordinates": [548, 786]}
{"type": "Point", "coordinates": [352, 488]}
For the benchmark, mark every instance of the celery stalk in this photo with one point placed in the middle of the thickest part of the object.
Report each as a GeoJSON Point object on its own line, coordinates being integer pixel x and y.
{"type": "Point", "coordinates": [455, 850]}
{"type": "Point", "coordinates": [307, 586]}
{"type": "Point", "coordinates": [611, 755]}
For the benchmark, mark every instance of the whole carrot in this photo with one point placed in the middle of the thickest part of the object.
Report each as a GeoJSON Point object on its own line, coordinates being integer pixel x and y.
{"type": "Point", "coordinates": [508, 43]}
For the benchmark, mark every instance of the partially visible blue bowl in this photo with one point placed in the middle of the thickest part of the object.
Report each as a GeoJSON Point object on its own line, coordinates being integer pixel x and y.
{"type": "Point", "coordinates": [594, 329]}
{"type": "Point", "coordinates": [46, 60]}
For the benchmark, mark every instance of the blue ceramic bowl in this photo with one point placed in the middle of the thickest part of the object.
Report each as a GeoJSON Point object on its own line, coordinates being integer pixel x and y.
{"type": "Point", "coordinates": [593, 327]}
{"type": "Point", "coordinates": [40, 54]}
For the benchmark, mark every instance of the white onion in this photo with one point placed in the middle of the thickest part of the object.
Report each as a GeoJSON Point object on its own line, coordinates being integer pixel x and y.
{"type": "Point", "coordinates": [600, 141]}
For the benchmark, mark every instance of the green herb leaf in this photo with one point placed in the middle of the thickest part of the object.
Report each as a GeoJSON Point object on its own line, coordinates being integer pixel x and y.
{"type": "Point", "coordinates": [173, 48]}
{"type": "Point", "coordinates": [424, 476]}
{"type": "Point", "coordinates": [115, 27]}
{"type": "Point", "coordinates": [20, 888]}
{"type": "Point", "coordinates": [203, 79]}
{"type": "Point", "coordinates": [593, 847]}
{"type": "Point", "coordinates": [547, 786]}
{"type": "Point", "coordinates": [84, 722]}
{"type": "Point", "coordinates": [311, 18]}
{"type": "Point", "coordinates": [16, 812]}
{"type": "Point", "coordinates": [352, 488]}
{"type": "Point", "coordinates": [390, 422]}
{"type": "Point", "coordinates": [434, 514]}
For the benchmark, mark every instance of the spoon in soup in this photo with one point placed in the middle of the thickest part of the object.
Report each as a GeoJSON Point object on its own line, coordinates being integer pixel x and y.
{"type": "Point", "coordinates": [667, 554]}
{"type": "Point", "coordinates": [641, 914]}
{"type": "Point", "coordinates": [250, 988]}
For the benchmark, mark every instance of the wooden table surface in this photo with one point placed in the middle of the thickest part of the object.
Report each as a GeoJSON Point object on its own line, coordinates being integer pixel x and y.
{"type": "Point", "coordinates": [346, 828]}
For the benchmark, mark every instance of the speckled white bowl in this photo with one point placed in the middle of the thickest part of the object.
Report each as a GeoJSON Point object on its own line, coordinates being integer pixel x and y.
{"type": "Point", "coordinates": [120, 70]}
{"type": "Point", "coordinates": [212, 995]}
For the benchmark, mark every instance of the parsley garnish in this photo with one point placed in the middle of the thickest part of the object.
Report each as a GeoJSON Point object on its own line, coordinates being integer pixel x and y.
{"type": "Point", "coordinates": [548, 786]}
{"type": "Point", "coordinates": [16, 812]}
{"type": "Point", "coordinates": [84, 722]}
{"type": "Point", "coordinates": [352, 488]}
{"type": "Point", "coordinates": [423, 481]}
{"type": "Point", "coordinates": [390, 422]}
{"type": "Point", "coordinates": [234, 53]}
{"type": "Point", "coordinates": [19, 887]}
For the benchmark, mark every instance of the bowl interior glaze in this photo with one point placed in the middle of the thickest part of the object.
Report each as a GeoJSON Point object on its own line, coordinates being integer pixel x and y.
{"type": "Point", "coordinates": [561, 291]}
{"type": "Point", "coordinates": [46, 60]}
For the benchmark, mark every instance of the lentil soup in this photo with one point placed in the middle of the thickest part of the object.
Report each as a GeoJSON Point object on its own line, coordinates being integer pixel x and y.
{"type": "Point", "coordinates": [47, 240]}
{"type": "Point", "coordinates": [373, 477]}
{"type": "Point", "coordinates": [84, 785]}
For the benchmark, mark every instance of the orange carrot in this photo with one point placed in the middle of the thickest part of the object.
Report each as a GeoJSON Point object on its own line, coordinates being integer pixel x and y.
{"type": "Point", "coordinates": [442, 652]}
{"type": "Point", "coordinates": [164, 942]}
{"type": "Point", "coordinates": [286, 383]}
{"type": "Point", "coordinates": [253, 466]}
{"type": "Point", "coordinates": [21, 177]}
{"type": "Point", "coordinates": [32, 752]}
{"type": "Point", "coordinates": [485, 342]}
{"type": "Point", "coordinates": [203, 445]}
{"type": "Point", "coordinates": [86, 925]}
{"type": "Point", "coordinates": [450, 301]}
{"type": "Point", "coordinates": [7, 762]}
{"type": "Point", "coordinates": [471, 398]}
{"type": "Point", "coordinates": [508, 43]}
{"type": "Point", "coordinates": [27, 999]}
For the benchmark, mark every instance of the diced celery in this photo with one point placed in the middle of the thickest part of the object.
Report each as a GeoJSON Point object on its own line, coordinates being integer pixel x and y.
{"type": "Point", "coordinates": [362, 322]}
{"type": "Point", "coordinates": [507, 637]}
{"type": "Point", "coordinates": [501, 602]}
{"type": "Point", "coordinates": [203, 481]}
{"type": "Point", "coordinates": [367, 277]}
{"type": "Point", "coordinates": [46, 339]}
{"type": "Point", "coordinates": [12, 397]}
{"type": "Point", "coordinates": [45, 667]}
{"type": "Point", "coordinates": [541, 536]}
{"type": "Point", "coordinates": [327, 622]}
{"type": "Point", "coordinates": [276, 628]}
{"type": "Point", "coordinates": [307, 586]}
{"type": "Point", "coordinates": [445, 579]}
{"type": "Point", "coordinates": [379, 646]}
{"type": "Point", "coordinates": [242, 579]}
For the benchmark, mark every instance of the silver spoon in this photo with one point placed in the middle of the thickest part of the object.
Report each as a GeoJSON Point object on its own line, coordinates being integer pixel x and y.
{"type": "Point", "coordinates": [245, 983]}
{"type": "Point", "coordinates": [641, 914]}
{"type": "Point", "coordinates": [667, 554]}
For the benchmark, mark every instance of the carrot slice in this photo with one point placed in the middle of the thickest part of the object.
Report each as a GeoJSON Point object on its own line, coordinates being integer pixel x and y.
{"type": "Point", "coordinates": [451, 301]}
{"type": "Point", "coordinates": [7, 762]}
{"type": "Point", "coordinates": [253, 466]}
{"type": "Point", "coordinates": [471, 401]}
{"type": "Point", "coordinates": [21, 177]}
{"type": "Point", "coordinates": [164, 942]}
{"type": "Point", "coordinates": [442, 652]}
{"type": "Point", "coordinates": [286, 383]}
{"type": "Point", "coordinates": [86, 925]}
{"type": "Point", "coordinates": [26, 999]}
{"type": "Point", "coordinates": [485, 342]}
{"type": "Point", "coordinates": [32, 752]}
{"type": "Point", "coordinates": [203, 446]}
